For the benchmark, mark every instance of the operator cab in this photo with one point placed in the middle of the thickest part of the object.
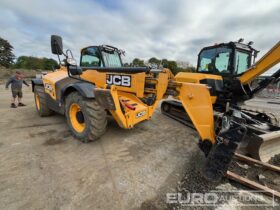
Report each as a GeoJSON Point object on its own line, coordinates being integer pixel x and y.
{"type": "Point", "coordinates": [229, 61]}
{"type": "Point", "coordinates": [226, 59]}
{"type": "Point", "coordinates": [101, 56]}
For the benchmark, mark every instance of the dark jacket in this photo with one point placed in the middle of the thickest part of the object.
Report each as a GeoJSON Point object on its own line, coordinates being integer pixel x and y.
{"type": "Point", "coordinates": [16, 83]}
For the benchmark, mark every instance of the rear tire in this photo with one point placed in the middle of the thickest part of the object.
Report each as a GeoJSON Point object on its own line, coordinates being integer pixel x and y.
{"type": "Point", "coordinates": [86, 119]}
{"type": "Point", "coordinates": [40, 101]}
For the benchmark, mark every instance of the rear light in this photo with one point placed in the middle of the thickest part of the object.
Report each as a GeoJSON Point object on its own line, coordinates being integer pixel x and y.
{"type": "Point", "coordinates": [129, 106]}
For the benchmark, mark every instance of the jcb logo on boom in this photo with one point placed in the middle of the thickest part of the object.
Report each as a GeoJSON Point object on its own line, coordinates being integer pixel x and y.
{"type": "Point", "coordinates": [119, 80]}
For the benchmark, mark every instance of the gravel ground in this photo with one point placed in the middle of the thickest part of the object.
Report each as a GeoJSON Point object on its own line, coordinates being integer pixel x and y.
{"type": "Point", "coordinates": [193, 181]}
{"type": "Point", "coordinates": [44, 167]}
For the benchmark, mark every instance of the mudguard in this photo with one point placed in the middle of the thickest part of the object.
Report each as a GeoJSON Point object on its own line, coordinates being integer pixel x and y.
{"type": "Point", "coordinates": [36, 82]}
{"type": "Point", "coordinates": [84, 88]}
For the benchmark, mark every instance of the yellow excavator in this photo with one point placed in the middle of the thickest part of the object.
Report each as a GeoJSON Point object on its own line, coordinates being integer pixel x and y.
{"type": "Point", "coordinates": [228, 70]}
{"type": "Point", "coordinates": [102, 86]}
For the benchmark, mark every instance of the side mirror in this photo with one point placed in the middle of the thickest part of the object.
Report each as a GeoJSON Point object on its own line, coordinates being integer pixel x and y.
{"type": "Point", "coordinates": [75, 70]}
{"type": "Point", "coordinates": [56, 45]}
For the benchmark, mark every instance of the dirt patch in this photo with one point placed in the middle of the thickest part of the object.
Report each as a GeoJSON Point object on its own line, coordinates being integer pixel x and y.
{"type": "Point", "coordinates": [275, 160]}
{"type": "Point", "coordinates": [53, 141]}
{"type": "Point", "coordinates": [258, 174]}
{"type": "Point", "coordinates": [61, 138]}
{"type": "Point", "coordinates": [66, 134]}
{"type": "Point", "coordinates": [38, 125]}
{"type": "Point", "coordinates": [44, 167]}
{"type": "Point", "coordinates": [42, 133]}
{"type": "Point", "coordinates": [149, 205]}
{"type": "Point", "coordinates": [46, 171]}
{"type": "Point", "coordinates": [194, 182]}
{"type": "Point", "coordinates": [236, 167]}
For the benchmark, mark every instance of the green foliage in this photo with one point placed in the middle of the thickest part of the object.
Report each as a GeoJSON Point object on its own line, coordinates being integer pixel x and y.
{"type": "Point", "coordinates": [154, 61]}
{"type": "Point", "coordinates": [29, 62]}
{"type": "Point", "coordinates": [6, 53]}
{"type": "Point", "coordinates": [137, 62]}
{"type": "Point", "coordinates": [170, 64]}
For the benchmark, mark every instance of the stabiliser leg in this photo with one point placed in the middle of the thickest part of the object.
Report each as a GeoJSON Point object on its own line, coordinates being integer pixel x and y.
{"type": "Point", "coordinates": [221, 153]}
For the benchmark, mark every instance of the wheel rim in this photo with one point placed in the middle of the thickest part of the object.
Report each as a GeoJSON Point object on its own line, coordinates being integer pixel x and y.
{"type": "Point", "coordinates": [77, 118]}
{"type": "Point", "coordinates": [37, 100]}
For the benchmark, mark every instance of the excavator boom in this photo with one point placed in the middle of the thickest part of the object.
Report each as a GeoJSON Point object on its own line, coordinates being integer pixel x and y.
{"type": "Point", "coordinates": [196, 101]}
{"type": "Point", "coordinates": [227, 89]}
{"type": "Point", "coordinates": [270, 59]}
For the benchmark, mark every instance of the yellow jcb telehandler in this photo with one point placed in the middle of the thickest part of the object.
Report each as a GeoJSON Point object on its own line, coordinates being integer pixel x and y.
{"type": "Point", "coordinates": [101, 85]}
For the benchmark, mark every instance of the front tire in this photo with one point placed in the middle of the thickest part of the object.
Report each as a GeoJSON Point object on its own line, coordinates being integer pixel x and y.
{"type": "Point", "coordinates": [40, 101]}
{"type": "Point", "coordinates": [86, 119]}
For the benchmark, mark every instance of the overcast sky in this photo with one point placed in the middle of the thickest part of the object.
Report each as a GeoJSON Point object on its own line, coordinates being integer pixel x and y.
{"type": "Point", "coordinates": [164, 29]}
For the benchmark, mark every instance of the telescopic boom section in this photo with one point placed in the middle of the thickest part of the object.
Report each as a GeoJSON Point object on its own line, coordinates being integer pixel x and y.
{"type": "Point", "coordinates": [270, 59]}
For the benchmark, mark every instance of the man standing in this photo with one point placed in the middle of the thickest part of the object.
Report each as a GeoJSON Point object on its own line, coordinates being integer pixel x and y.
{"type": "Point", "coordinates": [16, 84]}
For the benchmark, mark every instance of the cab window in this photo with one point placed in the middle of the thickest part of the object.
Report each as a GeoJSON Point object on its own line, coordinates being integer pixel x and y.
{"type": "Point", "coordinates": [91, 57]}
{"type": "Point", "coordinates": [112, 58]}
{"type": "Point", "coordinates": [242, 62]}
{"type": "Point", "coordinates": [215, 60]}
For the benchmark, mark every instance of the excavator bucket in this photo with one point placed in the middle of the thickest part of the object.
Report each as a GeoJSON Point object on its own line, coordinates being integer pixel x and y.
{"type": "Point", "coordinates": [258, 143]}
{"type": "Point", "coordinates": [265, 146]}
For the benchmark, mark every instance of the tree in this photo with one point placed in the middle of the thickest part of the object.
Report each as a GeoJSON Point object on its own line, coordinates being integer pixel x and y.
{"type": "Point", "coordinates": [185, 66]}
{"type": "Point", "coordinates": [137, 62]}
{"type": "Point", "coordinates": [172, 65]}
{"type": "Point", "coordinates": [6, 53]}
{"type": "Point", "coordinates": [127, 64]}
{"type": "Point", "coordinates": [191, 69]}
{"type": "Point", "coordinates": [49, 64]}
{"type": "Point", "coordinates": [164, 63]}
{"type": "Point", "coordinates": [154, 61]}
{"type": "Point", "coordinates": [29, 62]}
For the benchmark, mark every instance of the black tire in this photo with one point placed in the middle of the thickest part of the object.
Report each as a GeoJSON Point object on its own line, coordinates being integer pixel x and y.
{"type": "Point", "coordinates": [43, 110]}
{"type": "Point", "coordinates": [165, 107]}
{"type": "Point", "coordinates": [94, 117]}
